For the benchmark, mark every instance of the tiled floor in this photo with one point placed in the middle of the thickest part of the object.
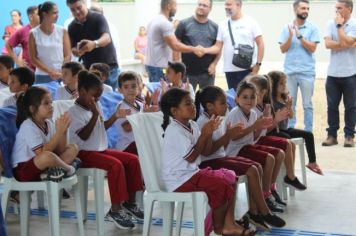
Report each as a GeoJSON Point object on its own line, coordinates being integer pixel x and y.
{"type": "Point", "coordinates": [327, 206]}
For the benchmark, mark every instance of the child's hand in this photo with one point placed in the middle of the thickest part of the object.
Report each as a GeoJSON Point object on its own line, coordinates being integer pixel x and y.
{"type": "Point", "coordinates": [233, 130]}
{"type": "Point", "coordinates": [121, 113]}
{"type": "Point", "coordinates": [164, 86]}
{"type": "Point", "coordinates": [94, 107]}
{"type": "Point", "coordinates": [152, 108]}
{"type": "Point", "coordinates": [126, 126]}
{"type": "Point", "coordinates": [210, 126]}
{"type": "Point", "coordinates": [62, 123]}
{"type": "Point", "coordinates": [263, 123]}
{"type": "Point", "coordinates": [281, 114]}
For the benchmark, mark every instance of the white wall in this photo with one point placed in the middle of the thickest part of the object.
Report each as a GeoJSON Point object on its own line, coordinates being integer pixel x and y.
{"type": "Point", "coordinates": [270, 15]}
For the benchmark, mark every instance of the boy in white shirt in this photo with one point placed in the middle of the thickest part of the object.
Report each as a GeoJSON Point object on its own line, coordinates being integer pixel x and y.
{"type": "Point", "coordinates": [104, 71]}
{"type": "Point", "coordinates": [70, 72]}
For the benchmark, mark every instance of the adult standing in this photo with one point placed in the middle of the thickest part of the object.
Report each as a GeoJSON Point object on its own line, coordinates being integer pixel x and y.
{"type": "Point", "coordinates": [245, 31]}
{"type": "Point", "coordinates": [11, 29]}
{"type": "Point", "coordinates": [340, 38]}
{"type": "Point", "coordinates": [161, 40]}
{"type": "Point", "coordinates": [90, 39]}
{"type": "Point", "coordinates": [21, 38]}
{"type": "Point", "coordinates": [49, 45]}
{"type": "Point", "coordinates": [298, 41]}
{"type": "Point", "coordinates": [199, 30]}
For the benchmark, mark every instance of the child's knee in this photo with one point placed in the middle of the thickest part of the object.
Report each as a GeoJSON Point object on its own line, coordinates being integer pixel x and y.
{"type": "Point", "coordinates": [73, 149]}
{"type": "Point", "coordinates": [270, 160]}
{"type": "Point", "coordinates": [252, 171]}
{"type": "Point", "coordinates": [280, 156]}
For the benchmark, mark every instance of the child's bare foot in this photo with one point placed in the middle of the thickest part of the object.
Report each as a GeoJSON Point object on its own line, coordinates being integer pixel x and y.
{"type": "Point", "coordinates": [237, 230]}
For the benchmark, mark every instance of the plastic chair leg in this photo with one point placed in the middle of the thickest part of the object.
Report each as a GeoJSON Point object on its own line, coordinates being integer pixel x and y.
{"type": "Point", "coordinates": [40, 200]}
{"type": "Point", "coordinates": [168, 210]}
{"type": "Point", "coordinates": [148, 207]}
{"type": "Point", "coordinates": [99, 200]}
{"type": "Point", "coordinates": [179, 217]}
{"type": "Point", "coordinates": [199, 214]}
{"type": "Point", "coordinates": [53, 207]}
{"type": "Point", "coordinates": [302, 163]}
{"type": "Point", "coordinates": [83, 187]}
{"type": "Point", "coordinates": [24, 212]}
{"type": "Point", "coordinates": [79, 209]}
{"type": "Point", "coordinates": [5, 200]}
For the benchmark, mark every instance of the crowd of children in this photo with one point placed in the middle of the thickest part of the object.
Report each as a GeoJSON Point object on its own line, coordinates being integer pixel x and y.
{"type": "Point", "coordinates": [252, 139]}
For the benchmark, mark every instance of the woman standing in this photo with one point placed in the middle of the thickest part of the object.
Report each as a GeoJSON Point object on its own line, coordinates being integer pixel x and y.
{"type": "Point", "coordinates": [49, 45]}
{"type": "Point", "coordinates": [10, 29]}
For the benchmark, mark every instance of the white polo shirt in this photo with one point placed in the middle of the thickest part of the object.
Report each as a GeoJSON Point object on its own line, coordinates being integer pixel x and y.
{"type": "Point", "coordinates": [126, 138]}
{"type": "Point", "coordinates": [3, 85]}
{"type": "Point", "coordinates": [80, 117]}
{"type": "Point", "coordinates": [10, 101]}
{"type": "Point", "coordinates": [237, 116]}
{"type": "Point", "coordinates": [178, 143]}
{"type": "Point", "coordinates": [259, 111]}
{"type": "Point", "coordinates": [65, 93]}
{"type": "Point", "coordinates": [220, 153]}
{"type": "Point", "coordinates": [29, 138]}
{"type": "Point", "coordinates": [107, 88]}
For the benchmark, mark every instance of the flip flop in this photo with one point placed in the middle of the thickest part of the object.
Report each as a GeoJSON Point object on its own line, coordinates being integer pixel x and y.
{"type": "Point", "coordinates": [315, 169]}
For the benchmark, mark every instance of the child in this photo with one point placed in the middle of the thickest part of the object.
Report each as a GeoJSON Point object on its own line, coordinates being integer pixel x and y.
{"type": "Point", "coordinates": [179, 164]}
{"type": "Point", "coordinates": [40, 143]}
{"type": "Point", "coordinates": [213, 100]}
{"type": "Point", "coordinates": [104, 70]}
{"type": "Point", "coordinates": [6, 66]}
{"type": "Point", "coordinates": [282, 101]}
{"type": "Point", "coordinates": [70, 72]}
{"type": "Point", "coordinates": [128, 87]}
{"type": "Point", "coordinates": [88, 131]}
{"type": "Point", "coordinates": [21, 79]}
{"type": "Point", "coordinates": [244, 145]}
{"type": "Point", "coordinates": [263, 108]}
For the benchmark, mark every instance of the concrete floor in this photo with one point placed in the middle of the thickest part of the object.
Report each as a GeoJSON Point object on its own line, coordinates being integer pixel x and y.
{"type": "Point", "coordinates": [327, 207]}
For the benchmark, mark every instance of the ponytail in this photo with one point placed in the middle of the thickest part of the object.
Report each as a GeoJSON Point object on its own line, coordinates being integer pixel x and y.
{"type": "Point", "coordinates": [197, 102]}
{"type": "Point", "coordinates": [22, 113]}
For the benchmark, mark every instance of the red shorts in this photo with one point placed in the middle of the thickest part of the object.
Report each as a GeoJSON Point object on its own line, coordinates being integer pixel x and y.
{"type": "Point", "coordinates": [217, 188]}
{"type": "Point", "coordinates": [258, 153]}
{"type": "Point", "coordinates": [239, 165]}
{"type": "Point", "coordinates": [27, 171]}
{"type": "Point", "coordinates": [273, 141]}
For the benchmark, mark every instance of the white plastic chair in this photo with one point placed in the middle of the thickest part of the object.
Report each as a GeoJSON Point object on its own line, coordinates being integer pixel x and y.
{"type": "Point", "coordinates": [148, 136]}
{"type": "Point", "coordinates": [282, 188]}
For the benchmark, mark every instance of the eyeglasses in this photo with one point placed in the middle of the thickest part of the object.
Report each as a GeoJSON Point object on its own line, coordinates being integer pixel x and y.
{"type": "Point", "coordinates": [203, 5]}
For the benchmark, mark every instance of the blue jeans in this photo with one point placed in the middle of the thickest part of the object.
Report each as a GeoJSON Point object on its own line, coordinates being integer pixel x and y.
{"type": "Point", "coordinates": [113, 77]}
{"type": "Point", "coordinates": [306, 85]}
{"type": "Point", "coordinates": [155, 74]}
{"type": "Point", "coordinates": [41, 79]}
{"type": "Point", "coordinates": [335, 89]}
{"type": "Point", "coordinates": [234, 78]}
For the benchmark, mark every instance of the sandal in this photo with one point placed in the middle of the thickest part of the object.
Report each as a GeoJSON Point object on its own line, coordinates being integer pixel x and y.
{"type": "Point", "coordinates": [244, 222]}
{"type": "Point", "coordinates": [315, 169]}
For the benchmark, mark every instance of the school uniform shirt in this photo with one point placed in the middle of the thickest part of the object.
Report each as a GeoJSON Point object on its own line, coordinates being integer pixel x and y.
{"type": "Point", "coordinates": [10, 101]}
{"type": "Point", "coordinates": [65, 93]}
{"type": "Point", "coordinates": [178, 143]}
{"type": "Point", "coordinates": [3, 85]}
{"type": "Point", "coordinates": [80, 117]}
{"type": "Point", "coordinates": [29, 138]}
{"type": "Point", "coordinates": [107, 88]}
{"type": "Point", "coordinates": [126, 138]}
{"type": "Point", "coordinates": [220, 131]}
{"type": "Point", "coordinates": [259, 111]}
{"type": "Point", "coordinates": [235, 116]}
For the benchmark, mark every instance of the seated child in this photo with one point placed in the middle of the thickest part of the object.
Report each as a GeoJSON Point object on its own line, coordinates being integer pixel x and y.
{"type": "Point", "coordinates": [88, 131]}
{"type": "Point", "coordinates": [21, 79]}
{"type": "Point", "coordinates": [70, 72]}
{"type": "Point", "coordinates": [281, 101]}
{"type": "Point", "coordinates": [104, 70]}
{"type": "Point", "coordinates": [6, 66]}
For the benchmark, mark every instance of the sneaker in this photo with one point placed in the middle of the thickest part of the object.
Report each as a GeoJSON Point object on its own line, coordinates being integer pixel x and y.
{"type": "Point", "coordinates": [76, 163]}
{"type": "Point", "coordinates": [349, 142]}
{"type": "Point", "coordinates": [278, 198]}
{"type": "Point", "coordinates": [54, 174]}
{"type": "Point", "coordinates": [330, 141]}
{"type": "Point", "coordinates": [121, 219]}
{"type": "Point", "coordinates": [296, 184]}
{"type": "Point", "coordinates": [65, 194]}
{"type": "Point", "coordinates": [133, 210]}
{"type": "Point", "coordinates": [273, 220]}
{"type": "Point", "coordinates": [258, 221]}
{"type": "Point", "coordinates": [273, 206]}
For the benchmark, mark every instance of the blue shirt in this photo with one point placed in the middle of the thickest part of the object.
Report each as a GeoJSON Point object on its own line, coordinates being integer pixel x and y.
{"type": "Point", "coordinates": [298, 59]}
{"type": "Point", "coordinates": [342, 62]}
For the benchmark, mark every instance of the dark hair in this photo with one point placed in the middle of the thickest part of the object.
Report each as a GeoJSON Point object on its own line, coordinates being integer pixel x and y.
{"type": "Point", "coordinates": [127, 76]}
{"type": "Point", "coordinates": [32, 97]}
{"type": "Point", "coordinates": [296, 2]}
{"type": "Point", "coordinates": [164, 3]}
{"type": "Point", "coordinates": [171, 98]}
{"type": "Point", "coordinates": [45, 7]}
{"type": "Point", "coordinates": [18, 12]}
{"type": "Point", "coordinates": [243, 85]}
{"type": "Point", "coordinates": [7, 61]}
{"type": "Point", "coordinates": [24, 75]}
{"type": "Point", "coordinates": [348, 3]}
{"type": "Point", "coordinates": [178, 67]}
{"type": "Point", "coordinates": [103, 68]}
{"type": "Point", "coordinates": [261, 82]}
{"type": "Point", "coordinates": [73, 1]}
{"type": "Point", "coordinates": [209, 94]}
{"type": "Point", "coordinates": [31, 9]}
{"type": "Point", "coordinates": [275, 76]}
{"type": "Point", "coordinates": [73, 66]}
{"type": "Point", "coordinates": [88, 80]}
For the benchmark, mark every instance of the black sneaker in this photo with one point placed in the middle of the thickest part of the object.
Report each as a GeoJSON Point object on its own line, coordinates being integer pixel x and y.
{"type": "Point", "coordinates": [76, 163]}
{"type": "Point", "coordinates": [54, 174]}
{"type": "Point", "coordinates": [133, 209]}
{"type": "Point", "coordinates": [65, 194]}
{"type": "Point", "coordinates": [274, 220]}
{"type": "Point", "coordinates": [273, 206]}
{"type": "Point", "coordinates": [294, 183]}
{"type": "Point", "coordinates": [278, 198]}
{"type": "Point", "coordinates": [258, 221]}
{"type": "Point", "coordinates": [121, 219]}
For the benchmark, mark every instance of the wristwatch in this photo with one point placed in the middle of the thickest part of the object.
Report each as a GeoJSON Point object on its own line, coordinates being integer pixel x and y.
{"type": "Point", "coordinates": [338, 26]}
{"type": "Point", "coordinates": [258, 63]}
{"type": "Point", "coordinates": [300, 37]}
{"type": "Point", "coordinates": [96, 43]}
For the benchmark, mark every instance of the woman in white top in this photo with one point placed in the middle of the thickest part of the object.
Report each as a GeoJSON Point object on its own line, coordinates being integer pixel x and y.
{"type": "Point", "coordinates": [49, 45]}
